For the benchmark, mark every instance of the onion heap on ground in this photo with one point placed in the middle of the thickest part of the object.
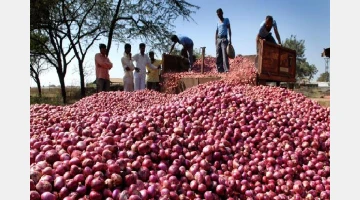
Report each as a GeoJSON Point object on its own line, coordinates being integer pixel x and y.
{"type": "Point", "coordinates": [219, 140]}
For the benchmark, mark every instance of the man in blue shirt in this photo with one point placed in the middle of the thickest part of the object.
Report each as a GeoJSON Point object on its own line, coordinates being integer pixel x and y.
{"type": "Point", "coordinates": [265, 28]}
{"type": "Point", "coordinates": [221, 42]}
{"type": "Point", "coordinates": [188, 46]}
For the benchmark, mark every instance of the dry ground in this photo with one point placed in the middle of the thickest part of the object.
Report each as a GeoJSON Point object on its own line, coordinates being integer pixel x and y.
{"type": "Point", "coordinates": [321, 95]}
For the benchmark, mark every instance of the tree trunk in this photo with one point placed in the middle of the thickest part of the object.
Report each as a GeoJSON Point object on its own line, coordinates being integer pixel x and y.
{"type": "Point", "coordinates": [38, 86]}
{"type": "Point", "coordinates": [62, 85]}
{"type": "Point", "coordinates": [112, 26]}
{"type": "Point", "coordinates": [82, 79]}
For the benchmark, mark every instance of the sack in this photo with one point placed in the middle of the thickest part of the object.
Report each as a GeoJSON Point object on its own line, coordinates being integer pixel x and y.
{"type": "Point", "coordinates": [230, 51]}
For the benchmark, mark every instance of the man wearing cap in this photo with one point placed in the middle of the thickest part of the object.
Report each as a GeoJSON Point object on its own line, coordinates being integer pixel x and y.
{"type": "Point", "coordinates": [102, 67]}
{"type": "Point", "coordinates": [141, 60]}
{"type": "Point", "coordinates": [129, 67]}
{"type": "Point", "coordinates": [221, 42]}
{"type": "Point", "coordinates": [188, 46]}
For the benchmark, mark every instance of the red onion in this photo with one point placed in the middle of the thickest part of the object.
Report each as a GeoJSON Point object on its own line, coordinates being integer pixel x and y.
{"type": "Point", "coordinates": [217, 140]}
{"type": "Point", "coordinates": [43, 186]}
{"type": "Point", "coordinates": [59, 183]}
{"type": "Point", "coordinates": [47, 196]}
{"type": "Point", "coordinates": [64, 192]}
{"type": "Point", "coordinates": [97, 184]}
{"type": "Point", "coordinates": [94, 195]}
{"type": "Point", "coordinates": [34, 195]}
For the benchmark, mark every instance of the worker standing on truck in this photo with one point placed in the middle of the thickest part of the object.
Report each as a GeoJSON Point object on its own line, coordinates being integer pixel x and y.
{"type": "Point", "coordinates": [102, 67]}
{"type": "Point", "coordinates": [221, 42]}
{"type": "Point", "coordinates": [153, 75]}
{"type": "Point", "coordinates": [188, 46]}
{"type": "Point", "coordinates": [129, 67]}
{"type": "Point", "coordinates": [265, 34]}
{"type": "Point", "coordinates": [265, 28]}
{"type": "Point", "coordinates": [141, 60]}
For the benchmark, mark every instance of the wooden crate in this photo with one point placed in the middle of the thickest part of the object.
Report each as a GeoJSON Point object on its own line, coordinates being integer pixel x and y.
{"type": "Point", "coordinates": [173, 63]}
{"type": "Point", "coordinates": [188, 82]}
{"type": "Point", "coordinates": [276, 63]}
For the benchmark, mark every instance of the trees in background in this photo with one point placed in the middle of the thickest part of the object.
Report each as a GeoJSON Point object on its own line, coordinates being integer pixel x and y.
{"type": "Point", "coordinates": [324, 77]}
{"type": "Point", "coordinates": [303, 68]}
{"type": "Point", "coordinates": [38, 63]}
{"type": "Point", "coordinates": [151, 21]}
{"type": "Point", "coordinates": [37, 67]}
{"type": "Point", "coordinates": [66, 29]}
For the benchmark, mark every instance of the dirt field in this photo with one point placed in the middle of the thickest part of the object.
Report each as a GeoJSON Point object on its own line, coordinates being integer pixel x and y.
{"type": "Point", "coordinates": [322, 101]}
{"type": "Point", "coordinates": [321, 95]}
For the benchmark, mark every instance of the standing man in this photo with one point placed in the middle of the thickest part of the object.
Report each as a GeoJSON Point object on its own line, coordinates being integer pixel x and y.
{"type": "Point", "coordinates": [188, 46]}
{"type": "Point", "coordinates": [102, 65]}
{"type": "Point", "coordinates": [265, 28]}
{"type": "Point", "coordinates": [141, 60]}
{"type": "Point", "coordinates": [153, 76]}
{"type": "Point", "coordinates": [221, 42]}
{"type": "Point", "coordinates": [129, 67]}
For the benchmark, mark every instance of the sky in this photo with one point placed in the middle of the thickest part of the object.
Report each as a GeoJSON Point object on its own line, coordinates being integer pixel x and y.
{"type": "Point", "coordinates": [309, 20]}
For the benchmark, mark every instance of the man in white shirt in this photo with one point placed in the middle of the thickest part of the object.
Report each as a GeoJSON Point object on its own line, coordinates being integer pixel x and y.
{"type": "Point", "coordinates": [129, 67]}
{"type": "Point", "coordinates": [141, 60]}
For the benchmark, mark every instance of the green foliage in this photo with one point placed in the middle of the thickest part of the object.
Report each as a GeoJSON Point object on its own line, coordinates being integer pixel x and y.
{"type": "Point", "coordinates": [40, 13]}
{"type": "Point", "coordinates": [62, 27]}
{"type": "Point", "coordinates": [176, 51]}
{"type": "Point", "coordinates": [307, 70]}
{"type": "Point", "coordinates": [324, 77]}
{"type": "Point", "coordinates": [38, 42]}
{"type": "Point", "coordinates": [303, 68]}
{"type": "Point", "coordinates": [151, 21]}
{"type": "Point", "coordinates": [196, 52]}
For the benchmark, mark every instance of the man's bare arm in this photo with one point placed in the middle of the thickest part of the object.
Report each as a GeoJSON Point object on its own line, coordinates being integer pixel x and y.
{"type": "Point", "coordinates": [172, 47]}
{"type": "Point", "coordinates": [277, 35]}
{"type": "Point", "coordinates": [216, 33]}
{"type": "Point", "coordinates": [228, 26]}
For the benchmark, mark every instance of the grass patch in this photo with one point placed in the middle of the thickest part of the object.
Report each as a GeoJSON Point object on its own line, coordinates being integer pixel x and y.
{"type": "Point", "coordinates": [53, 96]}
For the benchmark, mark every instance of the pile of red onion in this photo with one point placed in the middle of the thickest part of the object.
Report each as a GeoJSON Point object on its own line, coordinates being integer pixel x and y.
{"type": "Point", "coordinates": [219, 140]}
{"type": "Point", "coordinates": [241, 69]}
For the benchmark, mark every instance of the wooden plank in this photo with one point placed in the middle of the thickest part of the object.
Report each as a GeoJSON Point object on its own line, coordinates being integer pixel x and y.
{"type": "Point", "coordinates": [170, 63]}
{"type": "Point", "coordinates": [270, 59]}
{"type": "Point", "coordinates": [276, 63]}
{"type": "Point", "coordinates": [207, 79]}
{"type": "Point", "coordinates": [261, 82]}
{"type": "Point", "coordinates": [173, 63]}
{"type": "Point", "coordinates": [276, 78]}
{"type": "Point", "coordinates": [185, 83]}
{"type": "Point", "coordinates": [287, 65]}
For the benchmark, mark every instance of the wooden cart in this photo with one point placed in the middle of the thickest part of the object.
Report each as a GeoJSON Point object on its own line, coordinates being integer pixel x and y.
{"type": "Point", "coordinates": [275, 64]}
{"type": "Point", "coordinates": [174, 63]}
